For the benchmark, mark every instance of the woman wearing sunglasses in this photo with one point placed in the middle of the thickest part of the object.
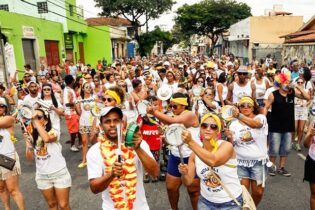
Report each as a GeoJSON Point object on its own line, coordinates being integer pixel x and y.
{"type": "Point", "coordinates": [52, 176]}
{"type": "Point", "coordinates": [215, 164]}
{"type": "Point", "coordinates": [179, 105]}
{"type": "Point", "coordinates": [249, 136]}
{"type": "Point", "coordinates": [206, 103]}
{"type": "Point", "coordinates": [83, 108]}
{"type": "Point", "coordinates": [9, 179]}
{"type": "Point", "coordinates": [56, 109]}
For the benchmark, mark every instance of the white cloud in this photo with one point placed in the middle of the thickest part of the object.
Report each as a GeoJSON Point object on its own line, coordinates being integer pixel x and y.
{"type": "Point", "coordinates": [303, 8]}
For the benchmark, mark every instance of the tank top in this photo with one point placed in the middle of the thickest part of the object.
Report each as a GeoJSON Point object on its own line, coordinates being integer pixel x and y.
{"type": "Point", "coordinates": [86, 118]}
{"type": "Point", "coordinates": [282, 114]}
{"type": "Point", "coordinates": [6, 145]}
{"type": "Point", "coordinates": [239, 92]}
{"type": "Point", "coordinates": [210, 188]}
{"type": "Point", "coordinates": [260, 88]}
{"type": "Point", "coordinates": [224, 92]}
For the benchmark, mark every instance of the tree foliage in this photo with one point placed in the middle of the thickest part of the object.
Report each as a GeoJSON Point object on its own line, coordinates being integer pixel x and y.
{"type": "Point", "coordinates": [210, 18]}
{"type": "Point", "coordinates": [147, 40]}
{"type": "Point", "coordinates": [133, 10]}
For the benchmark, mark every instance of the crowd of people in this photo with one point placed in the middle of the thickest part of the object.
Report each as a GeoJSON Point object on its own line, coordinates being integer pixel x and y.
{"type": "Point", "coordinates": [236, 121]}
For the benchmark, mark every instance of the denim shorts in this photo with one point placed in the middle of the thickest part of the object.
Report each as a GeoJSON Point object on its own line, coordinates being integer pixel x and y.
{"type": "Point", "coordinates": [59, 179]}
{"type": "Point", "coordinates": [256, 172]}
{"type": "Point", "coordinates": [280, 144]}
{"type": "Point", "coordinates": [204, 204]}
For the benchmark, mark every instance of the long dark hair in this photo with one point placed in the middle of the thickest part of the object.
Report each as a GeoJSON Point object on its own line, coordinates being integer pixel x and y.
{"type": "Point", "coordinates": [48, 126]}
{"type": "Point", "coordinates": [53, 98]}
{"type": "Point", "coordinates": [82, 89]}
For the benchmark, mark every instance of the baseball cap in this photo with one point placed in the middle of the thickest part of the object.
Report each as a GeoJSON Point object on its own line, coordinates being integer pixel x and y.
{"type": "Point", "coordinates": [3, 101]}
{"type": "Point", "coordinates": [106, 110]}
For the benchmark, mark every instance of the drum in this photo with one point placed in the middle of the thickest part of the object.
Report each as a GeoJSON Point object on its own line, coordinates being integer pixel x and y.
{"type": "Point", "coordinates": [227, 112]}
{"type": "Point", "coordinates": [131, 130]}
{"type": "Point", "coordinates": [173, 136]}
{"type": "Point", "coordinates": [142, 107]}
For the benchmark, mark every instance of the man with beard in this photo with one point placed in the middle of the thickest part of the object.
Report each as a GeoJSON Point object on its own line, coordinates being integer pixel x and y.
{"type": "Point", "coordinates": [33, 95]}
{"type": "Point", "coordinates": [119, 178]}
{"type": "Point", "coordinates": [241, 87]}
{"type": "Point", "coordinates": [281, 123]}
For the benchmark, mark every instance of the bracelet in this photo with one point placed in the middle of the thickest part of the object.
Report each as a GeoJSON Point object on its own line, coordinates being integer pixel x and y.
{"type": "Point", "coordinates": [240, 116]}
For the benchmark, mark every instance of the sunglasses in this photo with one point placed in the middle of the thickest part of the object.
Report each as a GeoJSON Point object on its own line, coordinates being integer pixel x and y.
{"type": "Point", "coordinates": [88, 77]}
{"type": "Point", "coordinates": [208, 94]}
{"type": "Point", "coordinates": [109, 100]}
{"type": "Point", "coordinates": [88, 87]}
{"type": "Point", "coordinates": [46, 89]}
{"type": "Point", "coordinates": [39, 117]}
{"type": "Point", "coordinates": [300, 82]}
{"type": "Point", "coordinates": [200, 81]}
{"type": "Point", "coordinates": [209, 125]}
{"type": "Point", "coordinates": [2, 106]}
{"type": "Point", "coordinates": [244, 74]}
{"type": "Point", "coordinates": [95, 80]}
{"type": "Point", "coordinates": [27, 76]}
{"type": "Point", "coordinates": [173, 106]}
{"type": "Point", "coordinates": [243, 106]}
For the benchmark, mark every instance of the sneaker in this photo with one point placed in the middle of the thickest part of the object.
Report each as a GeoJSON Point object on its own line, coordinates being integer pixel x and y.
{"type": "Point", "coordinates": [272, 171]}
{"type": "Point", "coordinates": [82, 165]}
{"type": "Point", "coordinates": [154, 179]}
{"type": "Point", "coordinates": [283, 172]}
{"type": "Point", "coordinates": [80, 146]}
{"type": "Point", "coordinates": [298, 147]}
{"type": "Point", "coordinates": [146, 178]}
{"type": "Point", "coordinates": [73, 148]}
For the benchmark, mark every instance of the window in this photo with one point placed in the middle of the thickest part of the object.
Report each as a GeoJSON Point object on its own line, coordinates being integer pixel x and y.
{"type": "Point", "coordinates": [4, 7]}
{"type": "Point", "coordinates": [71, 9]}
{"type": "Point", "coordinates": [42, 7]}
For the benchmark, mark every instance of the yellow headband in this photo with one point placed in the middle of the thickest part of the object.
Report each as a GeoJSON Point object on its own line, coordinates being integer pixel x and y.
{"type": "Point", "coordinates": [214, 117]}
{"type": "Point", "coordinates": [246, 99]}
{"type": "Point", "coordinates": [181, 101]}
{"type": "Point", "coordinates": [114, 95]}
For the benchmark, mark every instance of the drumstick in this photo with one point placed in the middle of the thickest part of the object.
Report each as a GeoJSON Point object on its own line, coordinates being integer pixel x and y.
{"type": "Point", "coordinates": [179, 150]}
{"type": "Point", "coordinates": [119, 133]}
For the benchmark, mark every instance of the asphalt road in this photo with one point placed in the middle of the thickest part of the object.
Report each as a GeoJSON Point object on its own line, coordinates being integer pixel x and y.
{"type": "Point", "coordinates": [282, 193]}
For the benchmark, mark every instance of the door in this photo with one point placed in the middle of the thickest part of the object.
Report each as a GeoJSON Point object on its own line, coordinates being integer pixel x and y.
{"type": "Point", "coordinates": [52, 52]}
{"type": "Point", "coordinates": [69, 55]}
{"type": "Point", "coordinates": [29, 53]}
{"type": "Point", "coordinates": [81, 51]}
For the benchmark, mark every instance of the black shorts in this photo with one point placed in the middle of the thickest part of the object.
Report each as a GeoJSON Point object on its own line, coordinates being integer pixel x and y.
{"type": "Point", "coordinates": [309, 170]}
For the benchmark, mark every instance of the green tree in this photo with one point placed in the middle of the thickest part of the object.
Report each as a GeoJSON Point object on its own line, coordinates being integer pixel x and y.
{"type": "Point", "coordinates": [147, 41]}
{"type": "Point", "coordinates": [133, 10]}
{"type": "Point", "coordinates": [210, 18]}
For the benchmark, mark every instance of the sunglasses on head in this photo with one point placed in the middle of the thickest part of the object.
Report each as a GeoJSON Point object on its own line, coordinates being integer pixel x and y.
{"type": "Point", "coordinates": [2, 106]}
{"type": "Point", "coordinates": [245, 105]}
{"type": "Point", "coordinates": [109, 100]}
{"type": "Point", "coordinates": [209, 125]}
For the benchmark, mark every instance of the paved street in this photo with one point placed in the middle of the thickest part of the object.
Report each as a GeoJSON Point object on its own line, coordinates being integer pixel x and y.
{"type": "Point", "coordinates": [281, 192]}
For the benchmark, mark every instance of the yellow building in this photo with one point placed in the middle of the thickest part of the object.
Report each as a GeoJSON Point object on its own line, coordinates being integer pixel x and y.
{"type": "Point", "coordinates": [257, 36]}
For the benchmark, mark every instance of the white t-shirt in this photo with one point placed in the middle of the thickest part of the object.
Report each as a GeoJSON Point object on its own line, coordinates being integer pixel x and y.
{"type": "Point", "coordinates": [202, 109]}
{"type": "Point", "coordinates": [129, 85]}
{"type": "Point", "coordinates": [48, 156]}
{"type": "Point", "coordinates": [54, 117]}
{"type": "Point", "coordinates": [96, 169]}
{"type": "Point", "coordinates": [86, 118]}
{"type": "Point", "coordinates": [30, 101]}
{"type": "Point", "coordinates": [250, 143]}
{"type": "Point", "coordinates": [66, 92]}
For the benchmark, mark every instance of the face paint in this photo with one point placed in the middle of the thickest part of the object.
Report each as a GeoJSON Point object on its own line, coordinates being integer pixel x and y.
{"type": "Point", "coordinates": [285, 87]}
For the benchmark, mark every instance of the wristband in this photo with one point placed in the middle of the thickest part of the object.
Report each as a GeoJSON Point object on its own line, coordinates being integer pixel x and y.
{"type": "Point", "coordinates": [240, 116]}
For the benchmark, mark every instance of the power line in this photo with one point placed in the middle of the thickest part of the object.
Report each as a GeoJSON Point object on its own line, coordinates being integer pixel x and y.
{"type": "Point", "coordinates": [69, 18]}
{"type": "Point", "coordinates": [61, 1]}
{"type": "Point", "coordinates": [77, 13]}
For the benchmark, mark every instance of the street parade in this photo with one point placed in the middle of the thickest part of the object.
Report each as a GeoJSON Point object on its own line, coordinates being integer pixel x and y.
{"type": "Point", "coordinates": [201, 128]}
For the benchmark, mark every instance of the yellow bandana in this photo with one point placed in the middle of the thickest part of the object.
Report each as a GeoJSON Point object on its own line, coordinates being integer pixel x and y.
{"type": "Point", "coordinates": [214, 117]}
{"type": "Point", "coordinates": [215, 145]}
{"type": "Point", "coordinates": [114, 95]}
{"type": "Point", "coordinates": [246, 99]}
{"type": "Point", "coordinates": [181, 101]}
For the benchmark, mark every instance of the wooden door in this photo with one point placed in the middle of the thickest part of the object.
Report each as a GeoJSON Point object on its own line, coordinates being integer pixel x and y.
{"type": "Point", "coordinates": [29, 52]}
{"type": "Point", "coordinates": [52, 52]}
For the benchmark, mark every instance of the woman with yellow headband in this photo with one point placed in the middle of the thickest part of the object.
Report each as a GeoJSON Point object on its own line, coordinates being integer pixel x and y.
{"type": "Point", "coordinates": [249, 136]}
{"type": "Point", "coordinates": [179, 105]}
{"type": "Point", "coordinates": [215, 164]}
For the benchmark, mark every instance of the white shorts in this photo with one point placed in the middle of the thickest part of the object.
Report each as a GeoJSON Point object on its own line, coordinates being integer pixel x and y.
{"type": "Point", "coordinates": [301, 113]}
{"type": "Point", "coordinates": [59, 179]}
